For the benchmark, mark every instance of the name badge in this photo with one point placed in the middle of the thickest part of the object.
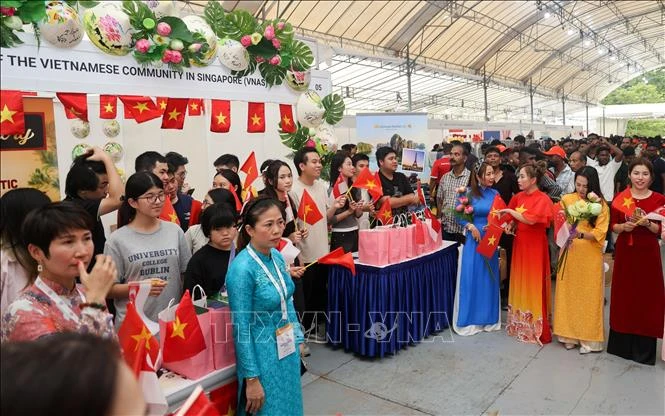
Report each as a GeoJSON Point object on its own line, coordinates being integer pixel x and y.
{"type": "Point", "coordinates": [286, 341]}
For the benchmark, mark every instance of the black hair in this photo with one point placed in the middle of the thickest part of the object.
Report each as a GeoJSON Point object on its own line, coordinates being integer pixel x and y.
{"type": "Point", "coordinates": [358, 157]}
{"type": "Point", "coordinates": [262, 170]}
{"type": "Point", "coordinates": [495, 142]}
{"type": "Point", "coordinates": [221, 195]}
{"type": "Point", "coordinates": [536, 170]}
{"type": "Point", "coordinates": [82, 176]}
{"type": "Point", "coordinates": [39, 376]}
{"type": "Point", "coordinates": [519, 139]}
{"type": "Point", "coordinates": [14, 207]}
{"type": "Point", "coordinates": [228, 160]}
{"type": "Point", "coordinates": [492, 149]}
{"type": "Point", "coordinates": [219, 215]}
{"type": "Point", "coordinates": [348, 147]}
{"type": "Point", "coordinates": [591, 175]}
{"type": "Point", "coordinates": [641, 161]}
{"type": "Point", "coordinates": [467, 147]}
{"type": "Point", "coordinates": [603, 149]}
{"type": "Point", "coordinates": [567, 140]}
{"type": "Point", "coordinates": [233, 178]}
{"type": "Point", "coordinates": [271, 174]}
{"type": "Point", "coordinates": [465, 151]}
{"type": "Point", "coordinates": [171, 168]}
{"type": "Point", "coordinates": [138, 184]}
{"type": "Point", "coordinates": [337, 161]}
{"type": "Point", "coordinates": [455, 142]}
{"type": "Point", "coordinates": [145, 162]}
{"type": "Point", "coordinates": [382, 152]}
{"type": "Point", "coordinates": [301, 157]}
{"type": "Point", "coordinates": [176, 159]}
{"type": "Point", "coordinates": [44, 224]}
{"type": "Point", "coordinates": [251, 213]}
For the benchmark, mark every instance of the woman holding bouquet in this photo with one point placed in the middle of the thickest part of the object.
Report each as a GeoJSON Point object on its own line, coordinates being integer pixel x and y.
{"type": "Point", "coordinates": [578, 301]}
{"type": "Point", "coordinates": [477, 303]}
{"type": "Point", "coordinates": [638, 295]}
{"type": "Point", "coordinates": [529, 297]}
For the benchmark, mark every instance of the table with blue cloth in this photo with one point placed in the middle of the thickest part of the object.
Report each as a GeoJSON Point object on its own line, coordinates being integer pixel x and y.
{"type": "Point", "coordinates": [385, 308]}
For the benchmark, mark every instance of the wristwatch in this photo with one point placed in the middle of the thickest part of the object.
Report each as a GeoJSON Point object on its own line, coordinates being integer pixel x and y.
{"type": "Point", "coordinates": [581, 236]}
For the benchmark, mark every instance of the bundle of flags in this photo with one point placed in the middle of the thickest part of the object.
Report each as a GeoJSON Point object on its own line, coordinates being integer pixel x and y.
{"type": "Point", "coordinates": [370, 182]}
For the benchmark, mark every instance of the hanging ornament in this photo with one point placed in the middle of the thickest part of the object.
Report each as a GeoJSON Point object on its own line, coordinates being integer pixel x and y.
{"type": "Point", "coordinates": [309, 109]}
{"type": "Point", "coordinates": [62, 26]}
{"type": "Point", "coordinates": [111, 128]}
{"type": "Point", "coordinates": [114, 150]}
{"type": "Point", "coordinates": [162, 8]}
{"type": "Point", "coordinates": [108, 28]}
{"type": "Point", "coordinates": [198, 24]}
{"type": "Point", "coordinates": [325, 135]}
{"type": "Point", "coordinates": [298, 81]}
{"type": "Point", "coordinates": [80, 149]}
{"type": "Point", "coordinates": [232, 54]}
{"type": "Point", "coordinates": [80, 129]}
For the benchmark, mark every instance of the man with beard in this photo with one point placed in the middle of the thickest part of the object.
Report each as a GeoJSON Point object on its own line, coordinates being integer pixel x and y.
{"type": "Point", "coordinates": [447, 193]}
{"type": "Point", "coordinates": [568, 146]}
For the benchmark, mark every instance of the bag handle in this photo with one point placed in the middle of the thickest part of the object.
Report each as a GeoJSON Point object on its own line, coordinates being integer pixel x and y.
{"type": "Point", "coordinates": [203, 301]}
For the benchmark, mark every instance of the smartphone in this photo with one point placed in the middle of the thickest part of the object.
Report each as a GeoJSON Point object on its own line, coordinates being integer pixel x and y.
{"type": "Point", "coordinates": [190, 192]}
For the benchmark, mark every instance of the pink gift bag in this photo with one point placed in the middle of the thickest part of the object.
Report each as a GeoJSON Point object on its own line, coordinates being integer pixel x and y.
{"type": "Point", "coordinates": [224, 353]}
{"type": "Point", "coordinates": [202, 363]}
{"type": "Point", "coordinates": [436, 237]}
{"type": "Point", "coordinates": [374, 247]}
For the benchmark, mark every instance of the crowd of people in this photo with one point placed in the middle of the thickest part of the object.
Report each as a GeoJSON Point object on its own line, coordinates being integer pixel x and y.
{"type": "Point", "coordinates": [62, 273]}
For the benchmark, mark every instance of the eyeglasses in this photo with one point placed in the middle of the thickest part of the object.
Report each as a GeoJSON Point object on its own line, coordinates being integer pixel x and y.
{"type": "Point", "coordinates": [154, 198]}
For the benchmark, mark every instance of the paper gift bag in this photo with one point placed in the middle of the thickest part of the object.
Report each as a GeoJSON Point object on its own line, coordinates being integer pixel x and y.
{"type": "Point", "coordinates": [411, 248]}
{"type": "Point", "coordinates": [396, 244]}
{"type": "Point", "coordinates": [431, 237]}
{"type": "Point", "coordinates": [224, 353]}
{"type": "Point", "coordinates": [200, 364]}
{"type": "Point", "coordinates": [374, 247]}
{"type": "Point", "coordinates": [420, 237]}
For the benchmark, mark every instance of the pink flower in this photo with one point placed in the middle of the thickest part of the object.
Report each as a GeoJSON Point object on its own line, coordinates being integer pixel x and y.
{"type": "Point", "coordinates": [246, 40]}
{"type": "Point", "coordinates": [142, 45]}
{"type": "Point", "coordinates": [280, 26]}
{"type": "Point", "coordinates": [269, 33]}
{"type": "Point", "coordinates": [276, 60]}
{"type": "Point", "coordinates": [464, 200]}
{"type": "Point", "coordinates": [276, 43]}
{"type": "Point", "coordinates": [163, 29]}
{"type": "Point", "coordinates": [7, 11]}
{"type": "Point", "coordinates": [459, 208]}
{"type": "Point", "coordinates": [167, 56]}
{"type": "Point", "coordinates": [310, 143]}
{"type": "Point", "coordinates": [176, 57]}
{"type": "Point", "coordinates": [468, 210]}
{"type": "Point", "coordinates": [260, 59]}
{"type": "Point", "coordinates": [194, 47]}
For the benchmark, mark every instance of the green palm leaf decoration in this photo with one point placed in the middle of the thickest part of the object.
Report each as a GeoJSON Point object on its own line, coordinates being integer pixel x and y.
{"type": "Point", "coordinates": [273, 74]}
{"type": "Point", "coordinates": [302, 57]}
{"type": "Point", "coordinates": [237, 24]}
{"type": "Point", "coordinates": [214, 15]}
{"type": "Point", "coordinates": [334, 105]}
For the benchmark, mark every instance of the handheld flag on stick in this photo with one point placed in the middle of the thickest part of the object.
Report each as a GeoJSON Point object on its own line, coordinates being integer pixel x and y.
{"type": "Point", "coordinates": [308, 212]}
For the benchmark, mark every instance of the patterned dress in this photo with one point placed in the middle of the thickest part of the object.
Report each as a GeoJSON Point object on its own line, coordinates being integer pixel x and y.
{"type": "Point", "coordinates": [530, 285]}
{"type": "Point", "coordinates": [580, 285]}
{"type": "Point", "coordinates": [34, 315]}
{"type": "Point", "coordinates": [256, 315]}
{"type": "Point", "coordinates": [477, 306]}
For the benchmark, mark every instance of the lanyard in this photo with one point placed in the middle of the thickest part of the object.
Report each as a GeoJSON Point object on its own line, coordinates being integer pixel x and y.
{"type": "Point", "coordinates": [282, 291]}
{"type": "Point", "coordinates": [59, 303]}
{"type": "Point", "coordinates": [232, 255]}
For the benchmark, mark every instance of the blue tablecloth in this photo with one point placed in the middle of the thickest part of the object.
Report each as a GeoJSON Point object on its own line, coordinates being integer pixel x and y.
{"type": "Point", "coordinates": [381, 310]}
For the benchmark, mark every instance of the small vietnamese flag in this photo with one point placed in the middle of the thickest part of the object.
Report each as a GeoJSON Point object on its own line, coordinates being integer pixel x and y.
{"type": "Point", "coordinates": [161, 103]}
{"type": "Point", "coordinates": [286, 122]}
{"type": "Point", "coordinates": [141, 108]}
{"type": "Point", "coordinates": [238, 202]}
{"type": "Point", "coordinates": [76, 104]}
{"type": "Point", "coordinates": [108, 106]}
{"type": "Point", "coordinates": [494, 217]}
{"type": "Point", "coordinates": [198, 404]}
{"type": "Point", "coordinates": [340, 187]}
{"type": "Point", "coordinates": [490, 241]}
{"type": "Point", "coordinates": [385, 214]}
{"type": "Point", "coordinates": [308, 212]}
{"type": "Point", "coordinates": [136, 341]}
{"type": "Point", "coordinates": [420, 233]}
{"type": "Point", "coordinates": [12, 116]}
{"type": "Point", "coordinates": [338, 257]}
{"type": "Point", "coordinates": [625, 203]}
{"type": "Point", "coordinates": [174, 115]}
{"type": "Point", "coordinates": [220, 116]}
{"type": "Point", "coordinates": [366, 180]}
{"type": "Point", "coordinates": [195, 213]}
{"type": "Point", "coordinates": [250, 169]}
{"type": "Point", "coordinates": [256, 122]}
{"type": "Point", "coordinates": [168, 212]}
{"type": "Point", "coordinates": [421, 194]}
{"type": "Point", "coordinates": [436, 224]}
{"type": "Point", "coordinates": [195, 107]}
{"type": "Point", "coordinates": [183, 338]}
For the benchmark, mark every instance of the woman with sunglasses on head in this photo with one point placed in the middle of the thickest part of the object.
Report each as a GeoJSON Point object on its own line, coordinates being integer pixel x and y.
{"type": "Point", "coordinates": [267, 335]}
{"type": "Point", "coordinates": [194, 235]}
{"type": "Point", "coordinates": [147, 248]}
{"type": "Point", "coordinates": [58, 237]}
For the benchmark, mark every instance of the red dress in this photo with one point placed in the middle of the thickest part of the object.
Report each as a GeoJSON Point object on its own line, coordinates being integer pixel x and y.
{"type": "Point", "coordinates": [530, 284]}
{"type": "Point", "coordinates": [638, 294]}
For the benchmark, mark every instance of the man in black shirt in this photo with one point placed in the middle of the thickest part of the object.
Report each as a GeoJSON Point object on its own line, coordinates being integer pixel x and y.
{"type": "Point", "coordinates": [395, 184]}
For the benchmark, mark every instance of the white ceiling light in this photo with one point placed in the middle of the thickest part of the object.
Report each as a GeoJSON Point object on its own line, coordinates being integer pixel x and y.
{"type": "Point", "coordinates": [587, 42]}
{"type": "Point", "coordinates": [571, 31]}
{"type": "Point", "coordinates": [547, 15]}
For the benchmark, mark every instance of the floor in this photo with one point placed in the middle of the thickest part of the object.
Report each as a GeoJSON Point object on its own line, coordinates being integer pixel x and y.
{"type": "Point", "coordinates": [489, 373]}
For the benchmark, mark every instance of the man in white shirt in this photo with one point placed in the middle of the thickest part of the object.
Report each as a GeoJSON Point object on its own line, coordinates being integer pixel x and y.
{"type": "Point", "coordinates": [315, 279]}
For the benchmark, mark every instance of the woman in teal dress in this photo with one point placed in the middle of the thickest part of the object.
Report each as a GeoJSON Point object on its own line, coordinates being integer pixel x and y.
{"type": "Point", "coordinates": [477, 300]}
{"type": "Point", "coordinates": [261, 300]}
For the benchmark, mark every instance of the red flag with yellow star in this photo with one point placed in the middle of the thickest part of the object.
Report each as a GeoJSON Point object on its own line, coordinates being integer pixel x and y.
{"type": "Point", "coordinates": [385, 214]}
{"type": "Point", "coordinates": [161, 104]}
{"type": "Point", "coordinates": [490, 241]}
{"type": "Point", "coordinates": [76, 104]}
{"type": "Point", "coordinates": [168, 212]}
{"type": "Point", "coordinates": [183, 338]}
{"type": "Point", "coordinates": [137, 342]}
{"type": "Point", "coordinates": [494, 217]}
{"type": "Point", "coordinates": [256, 121]}
{"type": "Point", "coordinates": [286, 118]}
{"type": "Point", "coordinates": [308, 212]}
{"type": "Point", "coordinates": [372, 183]}
{"type": "Point", "coordinates": [624, 202]}
{"type": "Point", "coordinates": [174, 115]}
{"type": "Point", "coordinates": [195, 107]}
{"type": "Point", "coordinates": [12, 116]}
{"type": "Point", "coordinates": [250, 169]}
{"type": "Point", "coordinates": [141, 108]}
{"type": "Point", "coordinates": [108, 106]}
{"type": "Point", "coordinates": [338, 257]}
{"type": "Point", "coordinates": [220, 116]}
